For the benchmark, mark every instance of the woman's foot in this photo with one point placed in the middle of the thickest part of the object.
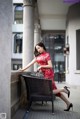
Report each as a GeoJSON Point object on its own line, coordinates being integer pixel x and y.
{"type": "Point", "coordinates": [68, 91]}
{"type": "Point", "coordinates": [69, 107]}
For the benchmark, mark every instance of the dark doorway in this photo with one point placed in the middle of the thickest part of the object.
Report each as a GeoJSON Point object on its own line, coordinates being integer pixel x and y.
{"type": "Point", "coordinates": [55, 42]}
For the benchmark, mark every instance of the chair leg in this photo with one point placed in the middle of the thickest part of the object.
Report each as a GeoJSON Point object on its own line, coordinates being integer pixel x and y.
{"type": "Point", "coordinates": [29, 105]}
{"type": "Point", "coordinates": [52, 107]}
{"type": "Point", "coordinates": [42, 102]}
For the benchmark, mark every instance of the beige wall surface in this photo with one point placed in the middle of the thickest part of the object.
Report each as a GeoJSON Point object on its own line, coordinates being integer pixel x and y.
{"type": "Point", "coordinates": [52, 14]}
{"type": "Point", "coordinates": [73, 24]}
{"type": "Point", "coordinates": [5, 55]}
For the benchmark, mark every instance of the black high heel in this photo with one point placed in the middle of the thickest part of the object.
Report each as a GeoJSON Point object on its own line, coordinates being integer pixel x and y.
{"type": "Point", "coordinates": [67, 90]}
{"type": "Point", "coordinates": [70, 106]}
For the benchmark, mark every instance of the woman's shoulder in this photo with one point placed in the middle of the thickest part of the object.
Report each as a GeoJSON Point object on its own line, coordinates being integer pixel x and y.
{"type": "Point", "coordinates": [47, 53]}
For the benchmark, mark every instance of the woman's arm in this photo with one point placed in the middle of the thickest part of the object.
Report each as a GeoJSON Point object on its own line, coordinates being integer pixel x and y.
{"type": "Point", "coordinates": [30, 64]}
{"type": "Point", "coordinates": [49, 65]}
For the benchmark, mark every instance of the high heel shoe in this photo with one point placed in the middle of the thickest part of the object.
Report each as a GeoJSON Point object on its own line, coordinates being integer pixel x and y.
{"type": "Point", "coordinates": [70, 106]}
{"type": "Point", "coordinates": [67, 90]}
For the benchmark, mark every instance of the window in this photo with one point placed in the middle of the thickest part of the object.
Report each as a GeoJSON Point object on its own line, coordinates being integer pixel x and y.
{"type": "Point", "coordinates": [18, 14]}
{"type": "Point", "coordinates": [55, 43]}
{"type": "Point", "coordinates": [78, 49]}
{"type": "Point", "coordinates": [17, 66]}
{"type": "Point", "coordinates": [18, 43]}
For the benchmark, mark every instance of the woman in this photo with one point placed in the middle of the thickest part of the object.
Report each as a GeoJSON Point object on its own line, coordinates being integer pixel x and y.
{"type": "Point", "coordinates": [42, 57]}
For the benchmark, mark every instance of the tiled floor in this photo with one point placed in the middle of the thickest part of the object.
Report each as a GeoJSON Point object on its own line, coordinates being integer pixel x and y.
{"type": "Point", "coordinates": [39, 111]}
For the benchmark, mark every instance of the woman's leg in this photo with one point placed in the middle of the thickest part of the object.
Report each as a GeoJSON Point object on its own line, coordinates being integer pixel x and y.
{"type": "Point", "coordinates": [65, 99]}
{"type": "Point", "coordinates": [59, 94]}
{"type": "Point", "coordinates": [55, 91]}
{"type": "Point", "coordinates": [69, 104]}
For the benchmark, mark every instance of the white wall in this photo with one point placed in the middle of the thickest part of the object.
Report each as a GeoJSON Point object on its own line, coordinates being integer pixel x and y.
{"type": "Point", "coordinates": [73, 77]}
{"type": "Point", "coordinates": [52, 14]}
{"type": "Point", "coordinates": [53, 22]}
{"type": "Point", "coordinates": [17, 28]}
{"type": "Point", "coordinates": [17, 1]}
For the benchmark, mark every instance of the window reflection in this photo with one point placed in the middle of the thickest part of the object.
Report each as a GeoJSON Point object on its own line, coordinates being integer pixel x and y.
{"type": "Point", "coordinates": [18, 43]}
{"type": "Point", "coordinates": [78, 49]}
{"type": "Point", "coordinates": [17, 66]}
{"type": "Point", "coordinates": [55, 43]}
{"type": "Point", "coordinates": [18, 14]}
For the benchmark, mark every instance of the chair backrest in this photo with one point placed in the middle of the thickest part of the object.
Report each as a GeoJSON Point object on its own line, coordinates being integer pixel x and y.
{"type": "Point", "coordinates": [39, 86]}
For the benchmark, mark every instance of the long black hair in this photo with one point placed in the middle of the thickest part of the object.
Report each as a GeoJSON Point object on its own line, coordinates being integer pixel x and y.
{"type": "Point", "coordinates": [36, 53]}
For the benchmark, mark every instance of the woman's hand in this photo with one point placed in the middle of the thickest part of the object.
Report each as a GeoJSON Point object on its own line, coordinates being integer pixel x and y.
{"type": "Point", "coordinates": [39, 68]}
{"type": "Point", "coordinates": [20, 70]}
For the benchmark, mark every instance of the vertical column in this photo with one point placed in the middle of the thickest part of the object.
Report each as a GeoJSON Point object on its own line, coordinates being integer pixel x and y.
{"type": "Point", "coordinates": [36, 28]}
{"type": "Point", "coordinates": [36, 34]}
{"type": "Point", "coordinates": [36, 39]}
{"type": "Point", "coordinates": [36, 25]}
{"type": "Point", "coordinates": [28, 32]}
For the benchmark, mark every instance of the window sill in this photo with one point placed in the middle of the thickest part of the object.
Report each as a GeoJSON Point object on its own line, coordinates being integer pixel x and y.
{"type": "Point", "coordinates": [77, 72]}
{"type": "Point", "coordinates": [66, 72]}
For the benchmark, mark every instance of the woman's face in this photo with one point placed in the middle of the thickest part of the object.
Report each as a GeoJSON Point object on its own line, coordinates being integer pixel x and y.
{"type": "Point", "coordinates": [39, 49]}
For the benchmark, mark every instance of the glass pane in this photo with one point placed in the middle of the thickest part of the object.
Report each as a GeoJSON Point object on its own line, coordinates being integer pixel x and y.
{"type": "Point", "coordinates": [18, 14]}
{"type": "Point", "coordinates": [54, 44]}
{"type": "Point", "coordinates": [18, 43]}
{"type": "Point", "coordinates": [78, 49]}
{"type": "Point", "coordinates": [17, 66]}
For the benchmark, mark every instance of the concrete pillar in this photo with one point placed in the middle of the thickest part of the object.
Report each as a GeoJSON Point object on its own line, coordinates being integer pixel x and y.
{"type": "Point", "coordinates": [36, 34]}
{"type": "Point", "coordinates": [5, 57]}
{"type": "Point", "coordinates": [28, 32]}
{"type": "Point", "coordinates": [36, 39]}
{"type": "Point", "coordinates": [37, 26]}
{"type": "Point", "coordinates": [36, 29]}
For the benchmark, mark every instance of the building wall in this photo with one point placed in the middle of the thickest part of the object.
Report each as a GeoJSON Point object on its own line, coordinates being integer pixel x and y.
{"type": "Point", "coordinates": [73, 24]}
{"type": "Point", "coordinates": [5, 55]}
{"type": "Point", "coordinates": [52, 14]}
{"type": "Point", "coordinates": [17, 1]}
{"type": "Point", "coordinates": [53, 22]}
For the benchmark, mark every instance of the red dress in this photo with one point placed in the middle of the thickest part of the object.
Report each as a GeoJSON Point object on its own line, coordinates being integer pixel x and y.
{"type": "Point", "coordinates": [48, 73]}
